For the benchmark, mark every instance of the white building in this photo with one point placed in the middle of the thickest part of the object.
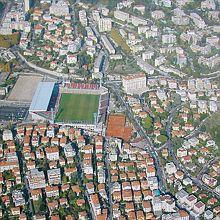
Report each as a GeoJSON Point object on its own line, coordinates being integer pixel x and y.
{"type": "Point", "coordinates": [52, 153]}
{"type": "Point", "coordinates": [146, 67]}
{"type": "Point", "coordinates": [168, 38]}
{"type": "Point", "coordinates": [171, 168]}
{"type": "Point", "coordinates": [105, 24]}
{"type": "Point", "coordinates": [147, 55]}
{"type": "Point", "coordinates": [134, 82]}
{"type": "Point", "coordinates": [165, 3]}
{"type": "Point", "coordinates": [159, 60]}
{"type": "Point", "coordinates": [199, 207]}
{"type": "Point", "coordinates": [54, 176]}
{"type": "Point", "coordinates": [36, 179]}
{"type": "Point", "coordinates": [136, 21]}
{"type": "Point", "coordinates": [157, 14]}
{"type": "Point", "coordinates": [157, 205]}
{"type": "Point", "coordinates": [98, 63]}
{"type": "Point", "coordinates": [107, 44]}
{"type": "Point", "coordinates": [208, 4]}
{"type": "Point", "coordinates": [120, 15]}
{"type": "Point", "coordinates": [96, 15]}
{"type": "Point", "coordinates": [181, 196]}
{"type": "Point", "coordinates": [68, 150]}
{"type": "Point", "coordinates": [71, 59]}
{"type": "Point", "coordinates": [59, 8]}
{"type": "Point", "coordinates": [208, 214]}
{"type": "Point", "coordinates": [83, 18]}
{"type": "Point", "coordinates": [26, 5]}
{"type": "Point", "coordinates": [198, 21]}
{"type": "Point", "coordinates": [7, 135]}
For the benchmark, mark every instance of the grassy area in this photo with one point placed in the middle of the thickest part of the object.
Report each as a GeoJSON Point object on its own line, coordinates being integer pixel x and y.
{"type": "Point", "coordinates": [7, 41]}
{"type": "Point", "coordinates": [148, 122]}
{"type": "Point", "coordinates": [162, 139]}
{"type": "Point", "coordinates": [115, 35]}
{"type": "Point", "coordinates": [77, 107]}
{"type": "Point", "coordinates": [212, 127]}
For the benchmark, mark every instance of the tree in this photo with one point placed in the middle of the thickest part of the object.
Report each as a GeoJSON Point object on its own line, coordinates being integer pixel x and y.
{"type": "Point", "coordinates": [7, 68]}
{"type": "Point", "coordinates": [7, 41]}
{"type": "Point", "coordinates": [148, 122]}
{"type": "Point", "coordinates": [162, 138]}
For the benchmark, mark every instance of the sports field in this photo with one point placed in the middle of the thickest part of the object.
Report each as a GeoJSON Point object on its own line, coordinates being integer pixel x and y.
{"type": "Point", "coordinates": [77, 108]}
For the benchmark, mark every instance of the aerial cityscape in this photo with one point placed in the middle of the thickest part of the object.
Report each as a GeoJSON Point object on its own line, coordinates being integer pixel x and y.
{"type": "Point", "coordinates": [109, 109]}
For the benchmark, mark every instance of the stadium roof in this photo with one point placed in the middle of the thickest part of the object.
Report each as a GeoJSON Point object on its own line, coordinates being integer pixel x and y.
{"type": "Point", "coordinates": [42, 96]}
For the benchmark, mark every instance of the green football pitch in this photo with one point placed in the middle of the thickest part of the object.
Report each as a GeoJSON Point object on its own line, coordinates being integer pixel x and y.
{"type": "Point", "coordinates": [77, 108]}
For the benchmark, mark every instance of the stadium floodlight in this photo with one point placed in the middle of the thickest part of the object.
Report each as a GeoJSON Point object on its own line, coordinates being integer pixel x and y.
{"type": "Point", "coordinates": [95, 118]}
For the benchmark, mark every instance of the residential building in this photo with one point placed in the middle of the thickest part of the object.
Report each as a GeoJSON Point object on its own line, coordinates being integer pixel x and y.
{"type": "Point", "coordinates": [168, 38]}
{"type": "Point", "coordinates": [52, 191]}
{"type": "Point", "coordinates": [146, 67]}
{"type": "Point", "coordinates": [171, 168]}
{"type": "Point", "coordinates": [26, 5]}
{"type": "Point", "coordinates": [181, 196]}
{"type": "Point", "coordinates": [105, 24]}
{"type": "Point", "coordinates": [83, 18]}
{"type": "Point", "coordinates": [157, 205]}
{"type": "Point", "coordinates": [18, 198]}
{"type": "Point", "coordinates": [157, 14]}
{"type": "Point", "coordinates": [36, 179]}
{"type": "Point", "coordinates": [59, 8]}
{"type": "Point", "coordinates": [208, 180]}
{"type": "Point", "coordinates": [68, 150]}
{"type": "Point", "coordinates": [133, 83]}
{"type": "Point", "coordinates": [199, 207]}
{"type": "Point", "coordinates": [52, 153]}
{"type": "Point", "coordinates": [122, 16]}
{"type": "Point", "coordinates": [54, 176]}
{"type": "Point", "coordinates": [7, 135]}
{"type": "Point", "coordinates": [107, 44]}
{"type": "Point", "coordinates": [99, 62]}
{"type": "Point", "coordinates": [198, 21]}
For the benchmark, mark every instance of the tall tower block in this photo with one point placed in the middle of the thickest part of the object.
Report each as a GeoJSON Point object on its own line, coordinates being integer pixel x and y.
{"type": "Point", "coordinates": [26, 5]}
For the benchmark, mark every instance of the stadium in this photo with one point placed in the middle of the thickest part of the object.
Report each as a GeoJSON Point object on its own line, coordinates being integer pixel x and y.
{"type": "Point", "coordinates": [76, 104]}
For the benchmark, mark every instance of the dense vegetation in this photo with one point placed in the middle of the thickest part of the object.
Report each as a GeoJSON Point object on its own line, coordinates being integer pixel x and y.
{"type": "Point", "coordinates": [7, 41]}
{"type": "Point", "coordinates": [109, 4]}
{"type": "Point", "coordinates": [1, 7]}
{"type": "Point", "coordinates": [115, 35]}
{"type": "Point", "coordinates": [213, 127]}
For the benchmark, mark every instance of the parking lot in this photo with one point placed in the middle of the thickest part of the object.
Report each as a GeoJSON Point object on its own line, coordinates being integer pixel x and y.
{"type": "Point", "coordinates": [8, 113]}
{"type": "Point", "coordinates": [24, 88]}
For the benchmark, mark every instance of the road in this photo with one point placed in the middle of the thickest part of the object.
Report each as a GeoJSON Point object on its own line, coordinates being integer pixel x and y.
{"type": "Point", "coordinates": [74, 22]}
{"type": "Point", "coordinates": [176, 161]}
{"type": "Point", "coordinates": [26, 189]}
{"type": "Point", "coordinates": [149, 145]}
{"type": "Point", "coordinates": [81, 178]}
{"type": "Point", "coordinates": [207, 166]}
{"type": "Point", "coordinates": [108, 180]}
{"type": "Point", "coordinates": [40, 70]}
{"type": "Point", "coordinates": [197, 129]}
{"type": "Point", "coordinates": [6, 10]}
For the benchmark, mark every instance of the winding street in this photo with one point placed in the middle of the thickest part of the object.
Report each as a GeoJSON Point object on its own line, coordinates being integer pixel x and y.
{"type": "Point", "coordinates": [207, 166]}
{"type": "Point", "coordinates": [197, 129]}
{"type": "Point", "coordinates": [178, 164]}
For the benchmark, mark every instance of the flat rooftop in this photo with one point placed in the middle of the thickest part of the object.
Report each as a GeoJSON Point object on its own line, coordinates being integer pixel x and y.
{"type": "Point", "coordinates": [24, 88]}
{"type": "Point", "coordinates": [42, 96]}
